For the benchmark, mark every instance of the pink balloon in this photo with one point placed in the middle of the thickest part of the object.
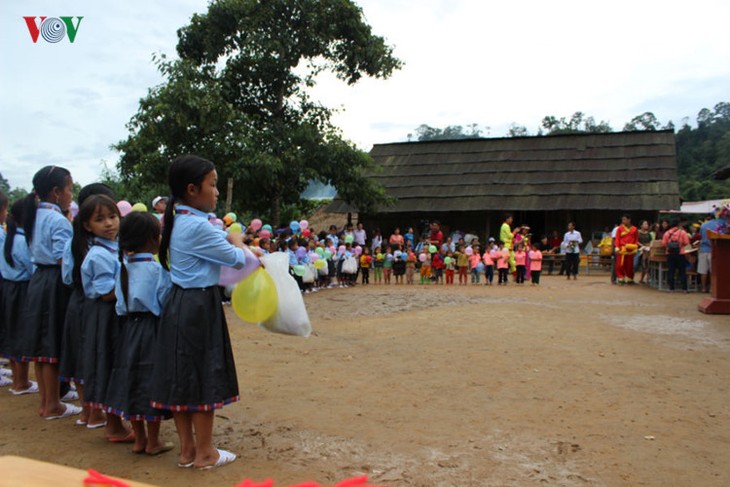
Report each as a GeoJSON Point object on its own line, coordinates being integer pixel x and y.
{"type": "Point", "coordinates": [313, 257]}
{"type": "Point", "coordinates": [304, 224]}
{"type": "Point", "coordinates": [333, 249]}
{"type": "Point", "coordinates": [229, 275]}
{"type": "Point", "coordinates": [341, 249]}
{"type": "Point", "coordinates": [125, 207]}
{"type": "Point", "coordinates": [469, 251]}
{"type": "Point", "coordinates": [255, 224]}
{"type": "Point", "coordinates": [358, 251]}
{"type": "Point", "coordinates": [422, 257]}
{"type": "Point", "coordinates": [265, 234]}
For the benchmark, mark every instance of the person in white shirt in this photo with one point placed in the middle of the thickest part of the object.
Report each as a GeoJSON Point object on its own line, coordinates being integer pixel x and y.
{"type": "Point", "coordinates": [571, 241]}
{"type": "Point", "coordinates": [360, 235]}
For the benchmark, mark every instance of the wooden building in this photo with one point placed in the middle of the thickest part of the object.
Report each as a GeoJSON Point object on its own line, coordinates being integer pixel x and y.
{"type": "Point", "coordinates": [544, 182]}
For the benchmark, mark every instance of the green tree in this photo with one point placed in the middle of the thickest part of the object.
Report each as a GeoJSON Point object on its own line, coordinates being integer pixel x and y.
{"type": "Point", "coordinates": [426, 132]}
{"type": "Point", "coordinates": [239, 96]}
{"type": "Point", "coordinates": [4, 184]}
{"type": "Point", "coordinates": [577, 123]}
{"type": "Point", "coordinates": [645, 121]}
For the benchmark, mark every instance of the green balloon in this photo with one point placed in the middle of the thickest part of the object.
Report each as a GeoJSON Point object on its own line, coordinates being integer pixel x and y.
{"type": "Point", "coordinates": [299, 270]}
{"type": "Point", "coordinates": [349, 239]}
{"type": "Point", "coordinates": [319, 251]}
{"type": "Point", "coordinates": [433, 249]}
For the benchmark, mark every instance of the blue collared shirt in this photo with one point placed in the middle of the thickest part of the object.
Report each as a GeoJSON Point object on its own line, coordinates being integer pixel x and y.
{"type": "Point", "coordinates": [22, 266]}
{"type": "Point", "coordinates": [293, 260]}
{"type": "Point", "coordinates": [100, 268]}
{"type": "Point", "coordinates": [705, 245]}
{"type": "Point", "coordinates": [51, 232]}
{"type": "Point", "coordinates": [149, 285]}
{"type": "Point", "coordinates": [198, 250]}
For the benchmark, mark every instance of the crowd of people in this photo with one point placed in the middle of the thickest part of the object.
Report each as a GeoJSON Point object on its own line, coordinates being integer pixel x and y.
{"type": "Point", "coordinates": [121, 309]}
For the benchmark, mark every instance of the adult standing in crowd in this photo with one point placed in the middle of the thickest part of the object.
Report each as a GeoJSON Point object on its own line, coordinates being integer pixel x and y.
{"type": "Point", "coordinates": [571, 242]}
{"type": "Point", "coordinates": [703, 256]}
{"type": "Point", "coordinates": [377, 240]}
{"type": "Point", "coordinates": [675, 240]}
{"type": "Point", "coordinates": [437, 237]}
{"type": "Point", "coordinates": [626, 245]}
{"type": "Point", "coordinates": [396, 240]}
{"type": "Point", "coordinates": [159, 204]}
{"type": "Point", "coordinates": [360, 235]}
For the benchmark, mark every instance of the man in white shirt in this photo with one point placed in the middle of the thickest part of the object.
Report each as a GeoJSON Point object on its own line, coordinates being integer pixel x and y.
{"type": "Point", "coordinates": [571, 241]}
{"type": "Point", "coordinates": [360, 235]}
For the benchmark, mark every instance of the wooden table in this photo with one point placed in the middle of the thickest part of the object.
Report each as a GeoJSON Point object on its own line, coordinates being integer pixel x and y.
{"type": "Point", "coordinates": [19, 471]}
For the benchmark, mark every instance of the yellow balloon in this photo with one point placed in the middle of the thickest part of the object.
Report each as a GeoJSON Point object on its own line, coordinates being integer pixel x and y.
{"type": "Point", "coordinates": [255, 299]}
{"type": "Point", "coordinates": [319, 264]}
{"type": "Point", "coordinates": [235, 228]}
{"type": "Point", "coordinates": [139, 207]}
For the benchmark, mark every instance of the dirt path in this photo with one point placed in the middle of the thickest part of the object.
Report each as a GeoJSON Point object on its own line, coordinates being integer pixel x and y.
{"type": "Point", "coordinates": [573, 383]}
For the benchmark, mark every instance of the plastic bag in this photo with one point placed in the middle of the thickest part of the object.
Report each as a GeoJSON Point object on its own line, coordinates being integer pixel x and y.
{"type": "Point", "coordinates": [349, 266]}
{"type": "Point", "coordinates": [309, 274]}
{"type": "Point", "coordinates": [291, 316]}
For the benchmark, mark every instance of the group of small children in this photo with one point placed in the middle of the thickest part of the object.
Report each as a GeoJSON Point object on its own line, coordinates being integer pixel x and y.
{"type": "Point", "coordinates": [143, 338]}
{"type": "Point", "coordinates": [321, 261]}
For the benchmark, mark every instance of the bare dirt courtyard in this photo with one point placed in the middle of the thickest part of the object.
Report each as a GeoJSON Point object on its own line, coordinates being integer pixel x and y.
{"type": "Point", "coordinates": [570, 383]}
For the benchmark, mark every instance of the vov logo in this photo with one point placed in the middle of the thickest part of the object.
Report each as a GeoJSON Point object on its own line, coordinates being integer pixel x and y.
{"type": "Point", "coordinates": [53, 29]}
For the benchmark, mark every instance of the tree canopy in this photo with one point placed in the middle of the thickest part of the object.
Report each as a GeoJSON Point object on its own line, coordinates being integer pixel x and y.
{"type": "Point", "coordinates": [238, 95]}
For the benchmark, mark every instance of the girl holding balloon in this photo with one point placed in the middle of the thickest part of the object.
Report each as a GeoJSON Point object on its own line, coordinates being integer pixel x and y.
{"type": "Point", "coordinates": [194, 372]}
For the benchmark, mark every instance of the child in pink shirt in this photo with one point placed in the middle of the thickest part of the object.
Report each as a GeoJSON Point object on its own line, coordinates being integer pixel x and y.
{"type": "Point", "coordinates": [474, 260]}
{"type": "Point", "coordinates": [503, 264]}
{"type": "Point", "coordinates": [535, 264]}
{"type": "Point", "coordinates": [488, 259]}
{"type": "Point", "coordinates": [520, 257]}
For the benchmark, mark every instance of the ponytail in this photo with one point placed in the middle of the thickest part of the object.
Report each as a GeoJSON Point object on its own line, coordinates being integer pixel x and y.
{"type": "Point", "coordinates": [169, 220]}
{"type": "Point", "coordinates": [29, 204]}
{"type": "Point", "coordinates": [124, 278]}
{"type": "Point", "coordinates": [14, 218]}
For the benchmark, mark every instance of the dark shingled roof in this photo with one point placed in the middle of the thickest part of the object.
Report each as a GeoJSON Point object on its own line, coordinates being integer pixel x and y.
{"type": "Point", "coordinates": [722, 173]}
{"type": "Point", "coordinates": [613, 171]}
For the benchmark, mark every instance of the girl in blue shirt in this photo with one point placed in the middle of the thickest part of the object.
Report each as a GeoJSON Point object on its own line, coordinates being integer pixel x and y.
{"type": "Point", "coordinates": [194, 372]}
{"type": "Point", "coordinates": [141, 291]}
{"type": "Point", "coordinates": [71, 352]}
{"type": "Point", "coordinates": [47, 231]}
{"type": "Point", "coordinates": [16, 269]}
{"type": "Point", "coordinates": [96, 267]}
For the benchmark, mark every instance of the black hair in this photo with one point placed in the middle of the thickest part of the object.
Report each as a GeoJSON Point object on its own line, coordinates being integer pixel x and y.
{"type": "Point", "coordinates": [3, 201]}
{"type": "Point", "coordinates": [136, 230]}
{"type": "Point", "coordinates": [14, 219]}
{"type": "Point", "coordinates": [292, 243]}
{"type": "Point", "coordinates": [627, 216]}
{"type": "Point", "coordinates": [95, 188]}
{"type": "Point", "coordinates": [184, 170]}
{"type": "Point", "coordinates": [44, 181]}
{"type": "Point", "coordinates": [507, 216]}
{"type": "Point", "coordinates": [82, 237]}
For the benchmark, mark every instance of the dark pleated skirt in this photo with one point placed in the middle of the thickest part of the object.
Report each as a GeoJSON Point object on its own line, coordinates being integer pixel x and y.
{"type": "Point", "coordinates": [130, 383]}
{"type": "Point", "coordinates": [194, 368]}
{"type": "Point", "coordinates": [99, 347]}
{"type": "Point", "coordinates": [43, 314]}
{"type": "Point", "coordinates": [73, 337]}
{"type": "Point", "coordinates": [2, 319]}
{"type": "Point", "coordinates": [12, 301]}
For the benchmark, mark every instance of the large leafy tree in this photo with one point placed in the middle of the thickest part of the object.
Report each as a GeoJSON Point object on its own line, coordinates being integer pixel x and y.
{"type": "Point", "coordinates": [239, 96]}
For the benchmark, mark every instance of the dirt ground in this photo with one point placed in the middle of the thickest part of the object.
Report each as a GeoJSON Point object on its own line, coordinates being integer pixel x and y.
{"type": "Point", "coordinates": [572, 383]}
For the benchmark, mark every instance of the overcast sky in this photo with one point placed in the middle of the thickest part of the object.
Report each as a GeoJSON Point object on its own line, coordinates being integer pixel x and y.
{"type": "Point", "coordinates": [466, 61]}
